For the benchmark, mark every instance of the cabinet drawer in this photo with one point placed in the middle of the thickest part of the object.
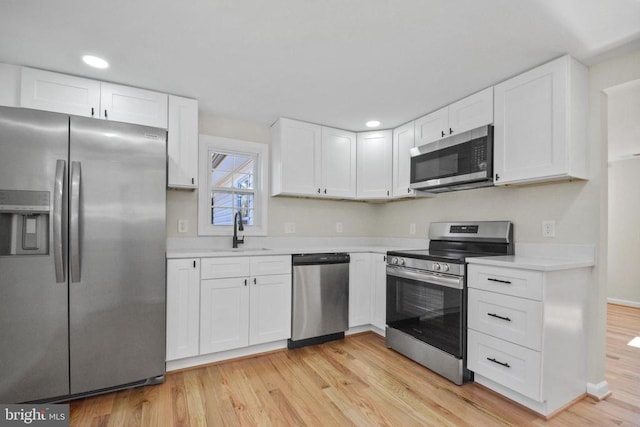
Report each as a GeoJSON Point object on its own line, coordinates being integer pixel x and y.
{"type": "Point", "coordinates": [510, 365]}
{"type": "Point", "coordinates": [216, 268]}
{"type": "Point", "coordinates": [509, 281]}
{"type": "Point", "coordinates": [513, 319]}
{"type": "Point", "coordinates": [263, 265]}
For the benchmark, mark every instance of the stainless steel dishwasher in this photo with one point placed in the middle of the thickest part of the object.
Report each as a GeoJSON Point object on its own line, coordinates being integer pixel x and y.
{"type": "Point", "coordinates": [320, 298]}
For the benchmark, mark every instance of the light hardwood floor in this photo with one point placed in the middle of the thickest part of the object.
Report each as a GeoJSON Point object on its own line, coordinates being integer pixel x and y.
{"type": "Point", "coordinates": [356, 381]}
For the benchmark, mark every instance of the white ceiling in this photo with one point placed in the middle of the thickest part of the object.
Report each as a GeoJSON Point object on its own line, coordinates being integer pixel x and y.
{"type": "Point", "coordinates": [335, 62]}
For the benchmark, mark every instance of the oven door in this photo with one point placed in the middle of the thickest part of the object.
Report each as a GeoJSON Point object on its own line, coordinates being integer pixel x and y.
{"type": "Point", "coordinates": [427, 306]}
{"type": "Point", "coordinates": [461, 159]}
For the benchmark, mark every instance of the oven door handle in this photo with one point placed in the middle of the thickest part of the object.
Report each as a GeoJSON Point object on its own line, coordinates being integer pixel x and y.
{"type": "Point", "coordinates": [436, 279]}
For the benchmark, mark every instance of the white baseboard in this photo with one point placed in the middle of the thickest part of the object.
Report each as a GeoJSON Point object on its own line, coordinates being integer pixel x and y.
{"type": "Point", "coordinates": [598, 391]}
{"type": "Point", "coordinates": [628, 303]}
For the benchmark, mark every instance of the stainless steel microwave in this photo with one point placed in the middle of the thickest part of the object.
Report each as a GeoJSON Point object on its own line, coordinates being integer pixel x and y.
{"type": "Point", "coordinates": [459, 162]}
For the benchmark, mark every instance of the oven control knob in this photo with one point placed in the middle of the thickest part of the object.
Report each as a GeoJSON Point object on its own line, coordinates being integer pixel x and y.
{"type": "Point", "coordinates": [436, 266]}
{"type": "Point", "coordinates": [394, 260]}
{"type": "Point", "coordinates": [401, 261]}
{"type": "Point", "coordinates": [445, 267]}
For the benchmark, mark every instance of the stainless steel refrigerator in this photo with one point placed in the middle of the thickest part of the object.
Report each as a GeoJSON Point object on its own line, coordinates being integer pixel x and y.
{"type": "Point", "coordinates": [82, 255]}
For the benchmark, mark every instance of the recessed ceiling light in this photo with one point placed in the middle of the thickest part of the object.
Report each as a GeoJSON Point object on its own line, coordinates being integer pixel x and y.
{"type": "Point", "coordinates": [372, 124]}
{"type": "Point", "coordinates": [94, 61]}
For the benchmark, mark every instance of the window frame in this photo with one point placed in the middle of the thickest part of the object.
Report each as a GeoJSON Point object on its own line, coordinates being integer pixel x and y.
{"type": "Point", "coordinates": [209, 143]}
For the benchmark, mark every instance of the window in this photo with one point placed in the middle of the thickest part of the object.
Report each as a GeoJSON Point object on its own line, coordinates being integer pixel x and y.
{"type": "Point", "coordinates": [233, 176]}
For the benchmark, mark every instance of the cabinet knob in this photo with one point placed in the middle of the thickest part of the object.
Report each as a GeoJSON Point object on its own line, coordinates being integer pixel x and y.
{"type": "Point", "coordinates": [92, 112]}
{"type": "Point", "coordinates": [255, 281]}
{"type": "Point", "coordinates": [325, 191]}
{"type": "Point", "coordinates": [105, 114]}
{"type": "Point", "coordinates": [318, 191]}
{"type": "Point", "coordinates": [194, 263]}
{"type": "Point", "coordinates": [387, 193]}
{"type": "Point", "coordinates": [450, 131]}
{"type": "Point", "coordinates": [245, 282]}
{"type": "Point", "coordinates": [497, 177]}
{"type": "Point", "coordinates": [193, 180]}
{"type": "Point", "coordinates": [442, 133]}
{"type": "Point", "coordinates": [408, 190]}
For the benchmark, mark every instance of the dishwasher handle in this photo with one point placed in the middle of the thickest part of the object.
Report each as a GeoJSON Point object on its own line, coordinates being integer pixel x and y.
{"type": "Point", "coordinates": [325, 258]}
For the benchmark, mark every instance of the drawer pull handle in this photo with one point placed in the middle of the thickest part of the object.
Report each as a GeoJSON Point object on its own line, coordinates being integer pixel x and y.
{"type": "Point", "coordinates": [491, 279]}
{"type": "Point", "coordinates": [499, 317]}
{"type": "Point", "coordinates": [506, 365]}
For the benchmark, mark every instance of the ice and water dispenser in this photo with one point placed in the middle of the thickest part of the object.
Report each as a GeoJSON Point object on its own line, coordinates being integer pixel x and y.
{"type": "Point", "coordinates": [24, 222]}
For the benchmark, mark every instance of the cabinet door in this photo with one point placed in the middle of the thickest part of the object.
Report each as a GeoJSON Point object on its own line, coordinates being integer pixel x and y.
{"type": "Point", "coordinates": [403, 142]}
{"type": "Point", "coordinates": [432, 126]}
{"type": "Point", "coordinates": [224, 314]}
{"type": "Point", "coordinates": [133, 105]}
{"type": "Point", "coordinates": [530, 124]}
{"type": "Point", "coordinates": [44, 90]}
{"type": "Point", "coordinates": [379, 296]}
{"type": "Point", "coordinates": [360, 289]}
{"type": "Point", "coordinates": [183, 308]}
{"type": "Point", "coordinates": [270, 308]}
{"type": "Point", "coordinates": [374, 164]}
{"type": "Point", "coordinates": [471, 112]}
{"type": "Point", "coordinates": [296, 158]}
{"type": "Point", "coordinates": [182, 142]}
{"type": "Point", "coordinates": [338, 163]}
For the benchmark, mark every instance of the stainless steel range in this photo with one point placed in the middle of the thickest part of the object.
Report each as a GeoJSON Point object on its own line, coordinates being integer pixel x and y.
{"type": "Point", "coordinates": [427, 293]}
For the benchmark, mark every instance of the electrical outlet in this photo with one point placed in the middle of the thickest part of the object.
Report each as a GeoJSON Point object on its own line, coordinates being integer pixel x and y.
{"type": "Point", "coordinates": [338, 227]}
{"type": "Point", "coordinates": [289, 227]}
{"type": "Point", "coordinates": [183, 225]}
{"type": "Point", "coordinates": [549, 228]}
{"type": "Point", "coordinates": [412, 228]}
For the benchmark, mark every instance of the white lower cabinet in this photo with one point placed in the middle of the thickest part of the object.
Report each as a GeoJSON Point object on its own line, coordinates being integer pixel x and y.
{"type": "Point", "coordinates": [254, 307]}
{"type": "Point", "coordinates": [269, 308]}
{"type": "Point", "coordinates": [183, 308]}
{"type": "Point", "coordinates": [379, 295]}
{"type": "Point", "coordinates": [224, 314]}
{"type": "Point", "coordinates": [367, 289]}
{"type": "Point", "coordinates": [360, 289]}
{"type": "Point", "coordinates": [526, 333]}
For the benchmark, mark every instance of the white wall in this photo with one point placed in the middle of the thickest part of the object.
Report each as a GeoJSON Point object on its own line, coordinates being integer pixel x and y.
{"type": "Point", "coordinates": [623, 130]}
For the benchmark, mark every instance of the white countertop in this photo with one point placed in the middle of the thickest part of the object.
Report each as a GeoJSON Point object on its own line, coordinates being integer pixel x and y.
{"type": "Point", "coordinates": [533, 263]}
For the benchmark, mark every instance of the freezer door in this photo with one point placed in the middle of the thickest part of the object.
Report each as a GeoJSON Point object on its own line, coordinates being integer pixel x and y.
{"type": "Point", "coordinates": [33, 304]}
{"type": "Point", "coordinates": [116, 253]}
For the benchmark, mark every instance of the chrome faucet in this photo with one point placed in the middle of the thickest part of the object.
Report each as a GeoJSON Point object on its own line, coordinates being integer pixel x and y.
{"type": "Point", "coordinates": [237, 225]}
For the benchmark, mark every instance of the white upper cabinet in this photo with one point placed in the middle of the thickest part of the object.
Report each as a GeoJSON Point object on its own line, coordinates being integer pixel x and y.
{"type": "Point", "coordinates": [403, 141]}
{"type": "Point", "coordinates": [375, 150]}
{"type": "Point", "coordinates": [468, 113]}
{"type": "Point", "coordinates": [312, 160]}
{"type": "Point", "coordinates": [183, 308]}
{"type": "Point", "coordinates": [338, 164]}
{"type": "Point", "coordinates": [541, 124]}
{"type": "Point", "coordinates": [133, 105]}
{"type": "Point", "coordinates": [295, 158]}
{"type": "Point", "coordinates": [60, 93]}
{"type": "Point", "coordinates": [431, 127]}
{"type": "Point", "coordinates": [182, 143]}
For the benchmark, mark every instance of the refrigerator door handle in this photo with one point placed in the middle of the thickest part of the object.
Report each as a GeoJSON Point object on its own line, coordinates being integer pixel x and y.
{"type": "Point", "coordinates": [74, 218]}
{"type": "Point", "coordinates": [58, 235]}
